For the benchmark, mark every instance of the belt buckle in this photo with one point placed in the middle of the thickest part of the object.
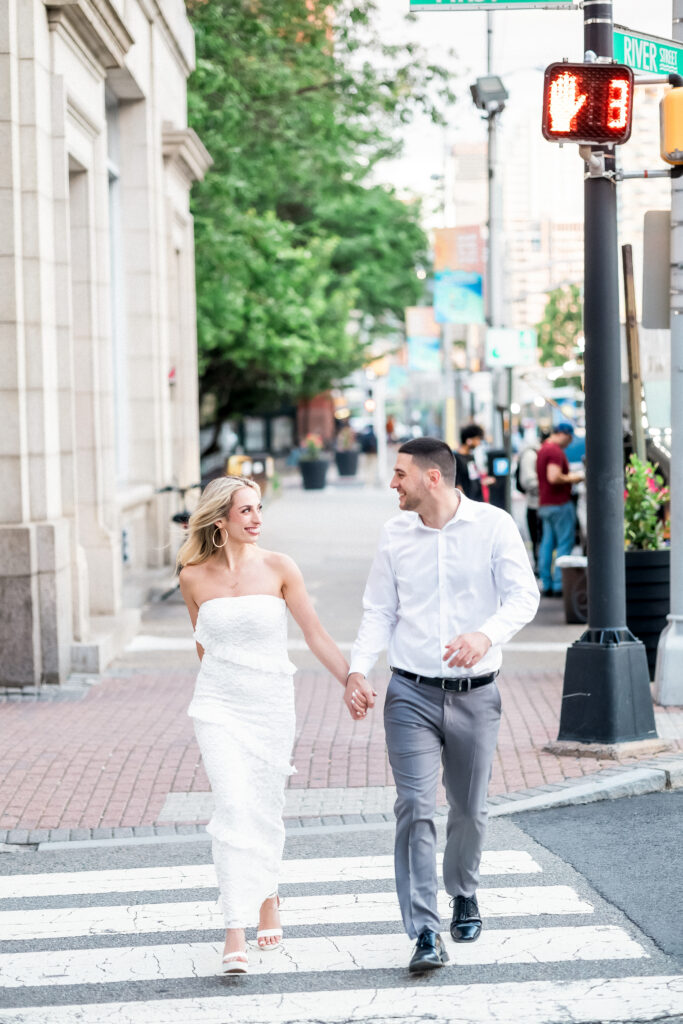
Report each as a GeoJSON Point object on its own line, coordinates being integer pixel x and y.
{"type": "Point", "coordinates": [461, 688]}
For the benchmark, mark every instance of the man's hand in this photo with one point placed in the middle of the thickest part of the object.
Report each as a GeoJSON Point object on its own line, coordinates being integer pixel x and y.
{"type": "Point", "coordinates": [466, 650]}
{"type": "Point", "coordinates": [358, 696]}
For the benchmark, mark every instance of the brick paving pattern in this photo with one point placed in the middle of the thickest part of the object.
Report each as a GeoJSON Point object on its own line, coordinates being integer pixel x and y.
{"type": "Point", "coordinates": [109, 759]}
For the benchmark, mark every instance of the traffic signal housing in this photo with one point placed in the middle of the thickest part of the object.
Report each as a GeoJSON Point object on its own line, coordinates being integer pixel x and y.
{"type": "Point", "coordinates": [671, 127]}
{"type": "Point", "coordinates": [591, 104]}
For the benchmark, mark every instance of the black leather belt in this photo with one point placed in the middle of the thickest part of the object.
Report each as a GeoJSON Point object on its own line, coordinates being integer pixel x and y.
{"type": "Point", "coordinates": [461, 685]}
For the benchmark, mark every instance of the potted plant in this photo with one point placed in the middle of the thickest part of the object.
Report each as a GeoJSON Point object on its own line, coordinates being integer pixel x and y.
{"type": "Point", "coordinates": [346, 453]}
{"type": "Point", "coordinates": [647, 554]}
{"type": "Point", "coordinates": [312, 465]}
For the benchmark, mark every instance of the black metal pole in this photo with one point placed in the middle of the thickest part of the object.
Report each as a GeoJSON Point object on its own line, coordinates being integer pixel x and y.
{"type": "Point", "coordinates": [606, 696]}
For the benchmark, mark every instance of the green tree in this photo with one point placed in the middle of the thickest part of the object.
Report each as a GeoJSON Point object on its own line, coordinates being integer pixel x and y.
{"type": "Point", "coordinates": [297, 103]}
{"type": "Point", "coordinates": [561, 325]}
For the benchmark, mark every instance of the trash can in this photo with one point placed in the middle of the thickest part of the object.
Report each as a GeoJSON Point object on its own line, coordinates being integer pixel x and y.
{"type": "Point", "coordinates": [574, 587]}
{"type": "Point", "coordinates": [260, 468]}
{"type": "Point", "coordinates": [498, 465]}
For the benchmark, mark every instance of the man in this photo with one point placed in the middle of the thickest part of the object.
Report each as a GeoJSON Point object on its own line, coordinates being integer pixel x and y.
{"type": "Point", "coordinates": [450, 583]}
{"type": "Point", "coordinates": [556, 509]}
{"type": "Point", "coordinates": [467, 476]}
{"type": "Point", "coordinates": [527, 484]}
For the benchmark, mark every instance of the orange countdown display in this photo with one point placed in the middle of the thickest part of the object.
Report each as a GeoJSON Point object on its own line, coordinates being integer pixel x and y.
{"type": "Point", "coordinates": [591, 104]}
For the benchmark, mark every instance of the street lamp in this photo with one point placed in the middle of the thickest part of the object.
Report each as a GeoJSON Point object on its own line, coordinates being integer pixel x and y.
{"type": "Point", "coordinates": [489, 94]}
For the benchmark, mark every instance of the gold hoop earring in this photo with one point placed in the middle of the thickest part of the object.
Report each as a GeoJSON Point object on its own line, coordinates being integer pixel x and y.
{"type": "Point", "coordinates": [220, 533]}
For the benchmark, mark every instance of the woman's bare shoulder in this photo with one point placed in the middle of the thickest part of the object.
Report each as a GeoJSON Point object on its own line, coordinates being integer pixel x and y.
{"type": "Point", "coordinates": [191, 572]}
{"type": "Point", "coordinates": [189, 577]}
{"type": "Point", "coordinates": [277, 561]}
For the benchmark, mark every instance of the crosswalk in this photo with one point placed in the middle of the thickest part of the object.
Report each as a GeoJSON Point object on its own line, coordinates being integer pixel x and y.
{"type": "Point", "coordinates": [141, 945]}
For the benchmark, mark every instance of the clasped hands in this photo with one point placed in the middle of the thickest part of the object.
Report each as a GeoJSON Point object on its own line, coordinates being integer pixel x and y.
{"type": "Point", "coordinates": [464, 652]}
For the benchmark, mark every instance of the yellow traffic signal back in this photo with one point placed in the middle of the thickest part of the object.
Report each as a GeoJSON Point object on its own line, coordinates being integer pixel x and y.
{"type": "Point", "coordinates": [591, 104]}
{"type": "Point", "coordinates": [671, 127]}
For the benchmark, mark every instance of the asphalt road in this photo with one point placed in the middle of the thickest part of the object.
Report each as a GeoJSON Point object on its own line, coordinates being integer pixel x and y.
{"type": "Point", "coordinates": [630, 851]}
{"type": "Point", "coordinates": [578, 929]}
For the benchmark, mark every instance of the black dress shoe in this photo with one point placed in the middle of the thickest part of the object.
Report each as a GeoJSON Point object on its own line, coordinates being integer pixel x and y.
{"type": "Point", "coordinates": [466, 923]}
{"type": "Point", "coordinates": [429, 953]}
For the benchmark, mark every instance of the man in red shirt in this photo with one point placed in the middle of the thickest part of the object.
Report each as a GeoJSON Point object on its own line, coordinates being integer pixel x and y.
{"type": "Point", "coordinates": [555, 508]}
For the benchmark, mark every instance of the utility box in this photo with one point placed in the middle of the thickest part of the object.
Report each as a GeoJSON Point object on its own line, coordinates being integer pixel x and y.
{"type": "Point", "coordinates": [656, 304]}
{"type": "Point", "coordinates": [574, 587]}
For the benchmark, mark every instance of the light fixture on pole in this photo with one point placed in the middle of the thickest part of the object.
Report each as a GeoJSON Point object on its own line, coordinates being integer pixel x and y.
{"type": "Point", "coordinates": [489, 94]}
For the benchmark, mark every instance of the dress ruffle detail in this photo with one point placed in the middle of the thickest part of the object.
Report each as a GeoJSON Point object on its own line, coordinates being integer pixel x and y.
{"type": "Point", "coordinates": [237, 655]}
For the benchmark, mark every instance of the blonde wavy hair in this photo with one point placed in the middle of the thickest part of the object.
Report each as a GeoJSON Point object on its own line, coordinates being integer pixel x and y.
{"type": "Point", "coordinates": [215, 503]}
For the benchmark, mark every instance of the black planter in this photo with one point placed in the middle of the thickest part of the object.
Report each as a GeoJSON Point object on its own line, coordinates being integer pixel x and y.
{"type": "Point", "coordinates": [313, 473]}
{"type": "Point", "coordinates": [347, 462]}
{"type": "Point", "coordinates": [647, 597]}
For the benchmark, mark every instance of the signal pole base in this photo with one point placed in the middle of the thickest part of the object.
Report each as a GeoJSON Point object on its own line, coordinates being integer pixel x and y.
{"type": "Point", "coordinates": [606, 696]}
{"type": "Point", "coordinates": [669, 668]}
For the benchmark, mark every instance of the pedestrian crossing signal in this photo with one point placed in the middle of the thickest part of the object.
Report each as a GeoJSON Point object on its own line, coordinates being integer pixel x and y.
{"type": "Point", "coordinates": [591, 104]}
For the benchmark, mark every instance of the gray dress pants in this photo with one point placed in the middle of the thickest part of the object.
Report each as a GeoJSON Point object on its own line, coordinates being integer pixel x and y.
{"type": "Point", "coordinates": [427, 727]}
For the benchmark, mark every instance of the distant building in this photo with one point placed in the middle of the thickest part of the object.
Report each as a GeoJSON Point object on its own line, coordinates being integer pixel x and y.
{"type": "Point", "coordinates": [539, 252]}
{"type": "Point", "coordinates": [97, 311]}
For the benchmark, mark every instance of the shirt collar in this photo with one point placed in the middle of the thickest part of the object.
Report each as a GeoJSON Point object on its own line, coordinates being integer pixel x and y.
{"type": "Point", "coordinates": [467, 510]}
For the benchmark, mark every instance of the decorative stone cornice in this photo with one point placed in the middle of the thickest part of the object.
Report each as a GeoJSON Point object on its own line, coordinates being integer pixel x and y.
{"type": "Point", "coordinates": [183, 147]}
{"type": "Point", "coordinates": [98, 26]}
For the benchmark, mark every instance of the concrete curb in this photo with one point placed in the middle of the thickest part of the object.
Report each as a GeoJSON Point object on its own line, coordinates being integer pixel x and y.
{"type": "Point", "coordinates": [653, 776]}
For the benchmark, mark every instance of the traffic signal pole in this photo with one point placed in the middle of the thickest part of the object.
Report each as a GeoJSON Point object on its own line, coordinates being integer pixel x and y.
{"type": "Point", "coordinates": [668, 673]}
{"type": "Point", "coordinates": [606, 695]}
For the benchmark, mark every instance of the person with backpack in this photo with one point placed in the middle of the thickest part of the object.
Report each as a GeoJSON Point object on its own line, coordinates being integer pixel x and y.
{"type": "Point", "coordinates": [526, 481]}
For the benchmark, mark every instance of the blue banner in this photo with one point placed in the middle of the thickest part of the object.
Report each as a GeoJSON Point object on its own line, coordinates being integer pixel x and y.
{"type": "Point", "coordinates": [458, 297]}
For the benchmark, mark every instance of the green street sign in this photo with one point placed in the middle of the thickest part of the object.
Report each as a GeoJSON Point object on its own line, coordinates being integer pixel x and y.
{"type": "Point", "coordinates": [650, 54]}
{"type": "Point", "coordinates": [492, 5]}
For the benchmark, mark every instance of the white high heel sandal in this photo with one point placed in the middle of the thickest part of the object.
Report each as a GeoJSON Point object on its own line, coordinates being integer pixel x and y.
{"type": "Point", "coordinates": [235, 963]}
{"type": "Point", "coordinates": [267, 933]}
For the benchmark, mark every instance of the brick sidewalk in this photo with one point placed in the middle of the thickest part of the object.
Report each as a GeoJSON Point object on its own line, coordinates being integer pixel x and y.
{"type": "Point", "coordinates": [110, 758]}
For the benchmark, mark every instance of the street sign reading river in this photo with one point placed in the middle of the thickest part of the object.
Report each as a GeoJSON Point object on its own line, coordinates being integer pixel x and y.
{"type": "Point", "coordinates": [492, 5]}
{"type": "Point", "coordinates": [650, 54]}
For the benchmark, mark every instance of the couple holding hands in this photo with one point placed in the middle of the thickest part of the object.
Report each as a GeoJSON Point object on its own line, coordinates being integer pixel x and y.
{"type": "Point", "coordinates": [450, 583]}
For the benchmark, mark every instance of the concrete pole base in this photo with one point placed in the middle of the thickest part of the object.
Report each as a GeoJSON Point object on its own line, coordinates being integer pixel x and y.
{"type": "Point", "coordinates": [669, 668]}
{"type": "Point", "coordinates": [606, 695]}
{"type": "Point", "coordinates": [609, 751]}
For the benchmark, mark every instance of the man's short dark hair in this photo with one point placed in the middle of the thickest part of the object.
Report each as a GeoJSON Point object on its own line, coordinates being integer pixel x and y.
{"type": "Point", "coordinates": [470, 431]}
{"type": "Point", "coordinates": [430, 453]}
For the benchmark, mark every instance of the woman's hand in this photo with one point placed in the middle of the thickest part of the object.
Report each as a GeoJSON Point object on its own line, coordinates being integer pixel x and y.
{"type": "Point", "coordinates": [358, 696]}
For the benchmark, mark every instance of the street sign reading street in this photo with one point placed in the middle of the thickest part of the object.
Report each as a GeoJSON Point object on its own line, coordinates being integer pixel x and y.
{"type": "Point", "coordinates": [492, 5]}
{"type": "Point", "coordinates": [649, 54]}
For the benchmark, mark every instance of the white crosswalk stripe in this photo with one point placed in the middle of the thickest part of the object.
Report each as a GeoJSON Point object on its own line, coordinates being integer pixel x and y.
{"type": "Point", "coordinates": [332, 908]}
{"type": "Point", "coordinates": [600, 999]}
{"type": "Point", "coordinates": [199, 876]}
{"type": "Point", "coordinates": [63, 959]}
{"type": "Point", "coordinates": [323, 953]}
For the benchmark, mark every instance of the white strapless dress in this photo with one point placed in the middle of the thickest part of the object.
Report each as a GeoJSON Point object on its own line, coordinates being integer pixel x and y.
{"type": "Point", "coordinates": [243, 711]}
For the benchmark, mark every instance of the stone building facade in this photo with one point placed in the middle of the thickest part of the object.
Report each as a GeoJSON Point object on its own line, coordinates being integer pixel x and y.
{"type": "Point", "coordinates": [98, 373]}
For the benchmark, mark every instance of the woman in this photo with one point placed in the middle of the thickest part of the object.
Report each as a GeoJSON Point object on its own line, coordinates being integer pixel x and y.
{"type": "Point", "coordinates": [237, 595]}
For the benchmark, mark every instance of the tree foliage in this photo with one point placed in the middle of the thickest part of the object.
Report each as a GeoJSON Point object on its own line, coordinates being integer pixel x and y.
{"type": "Point", "coordinates": [561, 325]}
{"type": "Point", "coordinates": [297, 103]}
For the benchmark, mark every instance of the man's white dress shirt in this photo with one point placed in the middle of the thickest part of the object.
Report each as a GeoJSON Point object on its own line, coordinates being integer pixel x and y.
{"type": "Point", "coordinates": [427, 586]}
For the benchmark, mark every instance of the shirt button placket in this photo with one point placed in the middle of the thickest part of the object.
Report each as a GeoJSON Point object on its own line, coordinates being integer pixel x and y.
{"type": "Point", "coordinates": [443, 596]}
